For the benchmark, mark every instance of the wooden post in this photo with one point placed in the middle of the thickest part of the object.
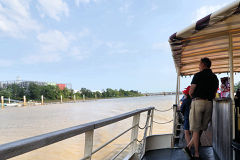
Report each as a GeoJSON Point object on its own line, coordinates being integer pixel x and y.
{"type": "Point", "coordinates": [24, 101]}
{"type": "Point", "coordinates": [41, 99]}
{"type": "Point", "coordinates": [84, 97]}
{"type": "Point", "coordinates": [88, 144]}
{"type": "Point", "coordinates": [151, 124]}
{"type": "Point", "coordinates": [74, 98]}
{"type": "Point", "coordinates": [61, 98]}
{"type": "Point", "coordinates": [9, 100]}
{"type": "Point", "coordinates": [134, 134]}
{"type": "Point", "coordinates": [230, 53]}
{"type": "Point", "coordinates": [2, 102]}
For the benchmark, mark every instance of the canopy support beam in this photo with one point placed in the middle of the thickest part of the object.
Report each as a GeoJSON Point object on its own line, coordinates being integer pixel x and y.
{"type": "Point", "coordinates": [230, 52]}
{"type": "Point", "coordinates": [178, 86]}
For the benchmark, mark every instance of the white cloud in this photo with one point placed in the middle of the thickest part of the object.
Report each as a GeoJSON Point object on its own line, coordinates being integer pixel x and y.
{"type": "Point", "coordinates": [78, 2]}
{"type": "Point", "coordinates": [113, 45]}
{"type": "Point", "coordinates": [5, 63]}
{"type": "Point", "coordinates": [118, 48]}
{"type": "Point", "coordinates": [161, 46]}
{"type": "Point", "coordinates": [53, 46]}
{"type": "Point", "coordinates": [81, 1]}
{"type": "Point", "coordinates": [125, 7]}
{"type": "Point", "coordinates": [53, 41]}
{"type": "Point", "coordinates": [154, 7]}
{"type": "Point", "coordinates": [15, 18]}
{"type": "Point", "coordinates": [56, 45]}
{"type": "Point", "coordinates": [79, 53]}
{"type": "Point", "coordinates": [53, 8]}
{"type": "Point", "coordinates": [206, 10]}
{"type": "Point", "coordinates": [85, 32]}
{"type": "Point", "coordinates": [42, 58]}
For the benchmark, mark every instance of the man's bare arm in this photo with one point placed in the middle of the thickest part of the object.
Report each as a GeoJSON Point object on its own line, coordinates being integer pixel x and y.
{"type": "Point", "coordinates": [193, 87]}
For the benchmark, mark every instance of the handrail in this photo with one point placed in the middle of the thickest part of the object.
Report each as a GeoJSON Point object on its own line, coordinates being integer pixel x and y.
{"type": "Point", "coordinates": [16, 148]}
{"type": "Point", "coordinates": [110, 141]}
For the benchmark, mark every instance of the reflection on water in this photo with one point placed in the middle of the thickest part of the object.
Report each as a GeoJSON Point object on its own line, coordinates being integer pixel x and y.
{"type": "Point", "coordinates": [22, 122]}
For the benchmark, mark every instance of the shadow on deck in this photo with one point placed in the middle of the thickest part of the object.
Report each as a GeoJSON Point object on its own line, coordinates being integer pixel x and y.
{"type": "Point", "coordinates": [206, 153]}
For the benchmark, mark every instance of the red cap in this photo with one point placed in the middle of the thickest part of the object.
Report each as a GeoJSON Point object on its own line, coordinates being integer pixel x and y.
{"type": "Point", "coordinates": [186, 91]}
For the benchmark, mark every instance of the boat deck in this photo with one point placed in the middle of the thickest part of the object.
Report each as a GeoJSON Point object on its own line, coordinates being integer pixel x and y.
{"type": "Point", "coordinates": [206, 153]}
{"type": "Point", "coordinates": [205, 150]}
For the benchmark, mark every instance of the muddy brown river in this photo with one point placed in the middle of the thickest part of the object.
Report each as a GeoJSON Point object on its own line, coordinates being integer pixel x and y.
{"type": "Point", "coordinates": [22, 122]}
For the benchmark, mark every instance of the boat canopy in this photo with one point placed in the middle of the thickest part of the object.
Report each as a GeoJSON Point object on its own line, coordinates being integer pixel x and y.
{"type": "Point", "coordinates": [215, 36]}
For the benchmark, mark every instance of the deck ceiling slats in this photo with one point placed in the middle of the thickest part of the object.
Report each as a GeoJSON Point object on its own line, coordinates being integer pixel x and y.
{"type": "Point", "coordinates": [212, 42]}
{"type": "Point", "coordinates": [209, 37]}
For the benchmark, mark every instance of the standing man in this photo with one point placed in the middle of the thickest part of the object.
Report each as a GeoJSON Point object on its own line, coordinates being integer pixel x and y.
{"type": "Point", "coordinates": [203, 90]}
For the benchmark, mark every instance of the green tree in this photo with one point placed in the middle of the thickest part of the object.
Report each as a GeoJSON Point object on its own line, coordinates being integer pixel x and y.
{"type": "Point", "coordinates": [34, 91]}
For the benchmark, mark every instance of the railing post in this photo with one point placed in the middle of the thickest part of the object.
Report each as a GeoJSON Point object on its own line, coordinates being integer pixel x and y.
{"type": "Point", "coordinates": [84, 97]}
{"type": "Point", "coordinates": [61, 98]}
{"type": "Point", "coordinates": [24, 101]}
{"type": "Point", "coordinates": [145, 133]}
{"type": "Point", "coordinates": [41, 99]}
{"type": "Point", "coordinates": [2, 102]}
{"type": "Point", "coordinates": [174, 123]}
{"type": "Point", "coordinates": [151, 124]}
{"type": "Point", "coordinates": [88, 144]}
{"type": "Point", "coordinates": [74, 98]}
{"type": "Point", "coordinates": [134, 134]}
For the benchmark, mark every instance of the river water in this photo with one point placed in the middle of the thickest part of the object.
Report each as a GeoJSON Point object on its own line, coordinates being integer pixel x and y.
{"type": "Point", "coordinates": [22, 122]}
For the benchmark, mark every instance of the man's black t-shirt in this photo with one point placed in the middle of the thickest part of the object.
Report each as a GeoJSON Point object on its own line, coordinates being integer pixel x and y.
{"type": "Point", "coordinates": [207, 84]}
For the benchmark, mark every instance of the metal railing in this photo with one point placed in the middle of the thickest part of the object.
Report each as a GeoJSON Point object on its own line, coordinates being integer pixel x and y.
{"type": "Point", "coordinates": [16, 148]}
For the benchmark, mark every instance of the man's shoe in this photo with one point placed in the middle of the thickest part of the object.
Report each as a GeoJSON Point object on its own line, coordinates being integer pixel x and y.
{"type": "Point", "coordinates": [188, 152]}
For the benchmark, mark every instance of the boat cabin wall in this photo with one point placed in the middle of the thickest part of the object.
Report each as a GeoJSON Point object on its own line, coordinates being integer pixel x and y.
{"type": "Point", "coordinates": [222, 128]}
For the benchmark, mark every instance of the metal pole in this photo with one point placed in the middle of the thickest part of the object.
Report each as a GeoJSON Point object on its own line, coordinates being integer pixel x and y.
{"type": "Point", "coordinates": [177, 87]}
{"type": "Point", "coordinates": [61, 98]}
{"type": "Point", "coordinates": [151, 124]}
{"type": "Point", "coordinates": [2, 102]}
{"type": "Point", "coordinates": [179, 78]}
{"type": "Point", "coordinates": [24, 100]}
{"type": "Point", "coordinates": [84, 97]}
{"type": "Point", "coordinates": [74, 98]}
{"type": "Point", "coordinates": [88, 144]}
{"type": "Point", "coordinates": [134, 134]}
{"type": "Point", "coordinates": [42, 99]}
{"type": "Point", "coordinates": [174, 124]}
{"type": "Point", "coordinates": [230, 52]}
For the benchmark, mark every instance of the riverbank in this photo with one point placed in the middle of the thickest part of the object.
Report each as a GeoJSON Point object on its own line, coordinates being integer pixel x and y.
{"type": "Point", "coordinates": [49, 102]}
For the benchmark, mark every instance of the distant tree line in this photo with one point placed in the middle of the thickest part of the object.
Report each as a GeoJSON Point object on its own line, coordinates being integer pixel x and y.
{"type": "Point", "coordinates": [51, 92]}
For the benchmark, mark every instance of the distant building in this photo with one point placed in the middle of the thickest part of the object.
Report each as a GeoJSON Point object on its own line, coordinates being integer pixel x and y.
{"type": "Point", "coordinates": [61, 86]}
{"type": "Point", "coordinates": [25, 84]}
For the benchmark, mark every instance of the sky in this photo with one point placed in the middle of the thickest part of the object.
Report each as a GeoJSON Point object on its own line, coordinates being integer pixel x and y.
{"type": "Point", "coordinates": [96, 44]}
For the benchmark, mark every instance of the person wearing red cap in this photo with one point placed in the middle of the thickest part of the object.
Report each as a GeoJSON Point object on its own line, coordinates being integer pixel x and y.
{"type": "Point", "coordinates": [185, 109]}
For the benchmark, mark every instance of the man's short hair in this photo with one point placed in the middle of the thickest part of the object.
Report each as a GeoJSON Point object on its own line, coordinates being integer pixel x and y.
{"type": "Point", "coordinates": [206, 61]}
